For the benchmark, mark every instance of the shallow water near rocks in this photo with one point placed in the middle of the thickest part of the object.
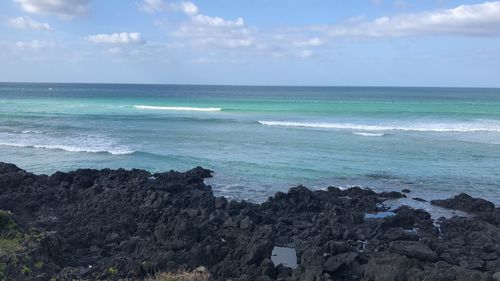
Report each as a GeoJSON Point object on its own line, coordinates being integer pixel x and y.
{"type": "Point", "coordinates": [285, 256]}
{"type": "Point", "coordinates": [379, 215]}
{"type": "Point", "coordinates": [436, 212]}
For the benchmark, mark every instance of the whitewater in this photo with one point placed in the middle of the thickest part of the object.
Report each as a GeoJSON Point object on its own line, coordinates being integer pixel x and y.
{"type": "Point", "coordinates": [259, 140]}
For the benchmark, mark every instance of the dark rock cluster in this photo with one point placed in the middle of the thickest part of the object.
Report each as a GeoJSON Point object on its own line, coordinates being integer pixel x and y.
{"type": "Point", "coordinates": [127, 225]}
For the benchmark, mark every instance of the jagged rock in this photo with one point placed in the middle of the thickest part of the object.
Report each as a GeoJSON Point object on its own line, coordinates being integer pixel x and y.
{"type": "Point", "coordinates": [466, 203]}
{"type": "Point", "coordinates": [392, 195]}
{"type": "Point", "coordinates": [118, 224]}
{"type": "Point", "coordinates": [414, 250]}
{"type": "Point", "coordinates": [390, 267]}
{"type": "Point", "coordinates": [334, 263]}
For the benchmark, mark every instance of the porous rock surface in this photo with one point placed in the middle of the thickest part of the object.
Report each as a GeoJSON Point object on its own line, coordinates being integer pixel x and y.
{"type": "Point", "coordinates": [129, 224]}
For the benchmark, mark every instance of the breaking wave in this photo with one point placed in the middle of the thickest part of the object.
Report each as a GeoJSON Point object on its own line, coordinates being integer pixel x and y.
{"type": "Point", "coordinates": [73, 148]}
{"type": "Point", "coordinates": [421, 127]}
{"type": "Point", "coordinates": [366, 134]}
{"type": "Point", "coordinates": [177, 108]}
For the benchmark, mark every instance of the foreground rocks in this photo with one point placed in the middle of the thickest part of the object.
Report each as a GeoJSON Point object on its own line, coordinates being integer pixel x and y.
{"type": "Point", "coordinates": [128, 225]}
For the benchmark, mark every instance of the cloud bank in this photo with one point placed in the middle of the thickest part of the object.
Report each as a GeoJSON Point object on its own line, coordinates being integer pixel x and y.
{"type": "Point", "coordinates": [467, 20]}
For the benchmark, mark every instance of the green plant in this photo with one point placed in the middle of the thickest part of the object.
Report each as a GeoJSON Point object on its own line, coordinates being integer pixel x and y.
{"type": "Point", "coordinates": [7, 224]}
{"type": "Point", "coordinates": [112, 270]}
{"type": "Point", "coordinates": [53, 279]}
{"type": "Point", "coordinates": [199, 274]}
{"type": "Point", "coordinates": [36, 237]}
{"type": "Point", "coordinates": [39, 265]}
{"type": "Point", "coordinates": [9, 245]}
{"type": "Point", "coordinates": [3, 266]}
{"type": "Point", "coordinates": [10, 238]}
{"type": "Point", "coordinates": [26, 270]}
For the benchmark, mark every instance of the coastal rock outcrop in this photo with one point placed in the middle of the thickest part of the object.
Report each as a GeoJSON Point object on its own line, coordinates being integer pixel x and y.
{"type": "Point", "coordinates": [130, 224]}
{"type": "Point", "coordinates": [466, 203]}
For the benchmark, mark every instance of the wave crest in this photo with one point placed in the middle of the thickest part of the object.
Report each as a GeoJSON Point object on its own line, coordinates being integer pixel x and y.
{"type": "Point", "coordinates": [366, 134]}
{"type": "Point", "coordinates": [420, 127]}
{"type": "Point", "coordinates": [177, 108]}
{"type": "Point", "coordinates": [70, 148]}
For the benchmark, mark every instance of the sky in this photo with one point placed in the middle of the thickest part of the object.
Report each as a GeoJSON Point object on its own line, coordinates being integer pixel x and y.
{"type": "Point", "coordinates": [259, 42]}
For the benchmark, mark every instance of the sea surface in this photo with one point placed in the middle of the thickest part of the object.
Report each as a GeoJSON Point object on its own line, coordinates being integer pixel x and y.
{"type": "Point", "coordinates": [259, 140]}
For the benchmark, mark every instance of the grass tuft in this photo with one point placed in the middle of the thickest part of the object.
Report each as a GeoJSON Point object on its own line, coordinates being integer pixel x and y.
{"type": "Point", "coordinates": [9, 245]}
{"type": "Point", "coordinates": [199, 274]}
{"type": "Point", "coordinates": [7, 224]}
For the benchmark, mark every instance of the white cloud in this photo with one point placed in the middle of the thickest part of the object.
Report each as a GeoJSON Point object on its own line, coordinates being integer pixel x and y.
{"type": "Point", "coordinates": [189, 8]}
{"type": "Point", "coordinates": [313, 42]}
{"type": "Point", "coordinates": [203, 30]}
{"type": "Point", "coordinates": [217, 21]}
{"type": "Point", "coordinates": [153, 6]}
{"type": "Point", "coordinates": [469, 20]}
{"type": "Point", "coordinates": [156, 6]}
{"type": "Point", "coordinates": [62, 8]}
{"type": "Point", "coordinates": [210, 32]}
{"type": "Point", "coordinates": [217, 35]}
{"type": "Point", "coordinates": [34, 45]}
{"type": "Point", "coordinates": [124, 38]}
{"type": "Point", "coordinates": [28, 23]}
{"type": "Point", "coordinates": [305, 54]}
{"type": "Point", "coordinates": [205, 60]}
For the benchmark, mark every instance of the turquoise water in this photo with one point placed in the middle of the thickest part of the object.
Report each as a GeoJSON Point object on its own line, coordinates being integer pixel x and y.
{"type": "Point", "coordinates": [259, 140]}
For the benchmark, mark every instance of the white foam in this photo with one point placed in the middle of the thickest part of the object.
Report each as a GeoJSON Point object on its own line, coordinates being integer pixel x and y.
{"type": "Point", "coordinates": [421, 127]}
{"type": "Point", "coordinates": [73, 148]}
{"type": "Point", "coordinates": [177, 108]}
{"type": "Point", "coordinates": [366, 134]}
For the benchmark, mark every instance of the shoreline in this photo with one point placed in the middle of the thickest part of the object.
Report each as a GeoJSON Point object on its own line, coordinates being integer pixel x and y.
{"type": "Point", "coordinates": [81, 224]}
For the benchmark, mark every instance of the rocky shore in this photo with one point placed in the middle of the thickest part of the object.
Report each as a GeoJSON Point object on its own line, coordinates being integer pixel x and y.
{"type": "Point", "coordinates": [130, 225]}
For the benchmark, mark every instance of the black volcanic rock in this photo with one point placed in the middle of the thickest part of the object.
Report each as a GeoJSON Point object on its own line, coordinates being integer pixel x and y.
{"type": "Point", "coordinates": [128, 224]}
{"type": "Point", "coordinates": [466, 203]}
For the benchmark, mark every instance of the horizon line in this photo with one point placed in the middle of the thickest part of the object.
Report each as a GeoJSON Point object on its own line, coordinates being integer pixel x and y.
{"type": "Point", "coordinates": [252, 85]}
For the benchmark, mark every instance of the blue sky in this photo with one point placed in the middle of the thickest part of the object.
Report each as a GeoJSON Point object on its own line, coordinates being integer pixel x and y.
{"type": "Point", "coordinates": [259, 42]}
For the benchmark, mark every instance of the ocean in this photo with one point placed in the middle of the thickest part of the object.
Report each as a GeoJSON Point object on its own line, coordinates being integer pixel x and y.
{"type": "Point", "coordinates": [259, 140]}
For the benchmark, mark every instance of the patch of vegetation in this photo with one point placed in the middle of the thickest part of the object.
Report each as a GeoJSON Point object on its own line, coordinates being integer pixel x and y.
{"type": "Point", "coordinates": [199, 274]}
{"type": "Point", "coordinates": [3, 267]}
{"type": "Point", "coordinates": [7, 224]}
{"type": "Point", "coordinates": [36, 237]}
{"type": "Point", "coordinates": [26, 270]}
{"type": "Point", "coordinates": [10, 245]}
{"type": "Point", "coordinates": [39, 265]}
{"type": "Point", "coordinates": [112, 271]}
{"type": "Point", "coordinates": [10, 238]}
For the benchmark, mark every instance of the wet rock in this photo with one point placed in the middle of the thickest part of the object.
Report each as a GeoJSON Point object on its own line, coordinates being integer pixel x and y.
{"type": "Point", "coordinates": [392, 195]}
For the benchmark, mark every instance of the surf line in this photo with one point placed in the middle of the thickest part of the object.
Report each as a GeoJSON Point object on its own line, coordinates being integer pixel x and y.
{"type": "Point", "coordinates": [177, 108]}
